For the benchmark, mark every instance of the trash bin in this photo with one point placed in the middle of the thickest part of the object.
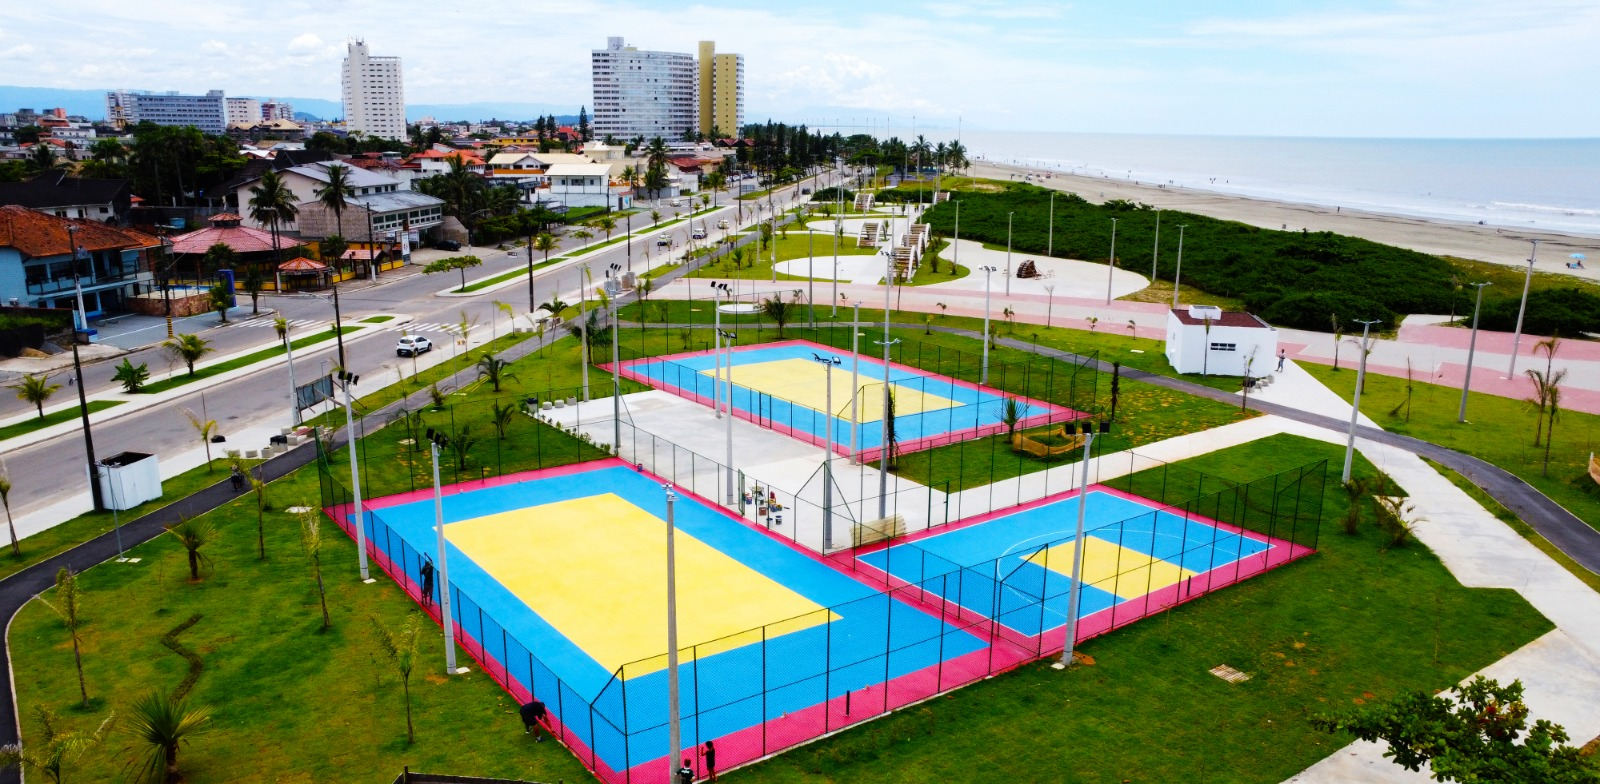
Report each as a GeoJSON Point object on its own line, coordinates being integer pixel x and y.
{"type": "Point", "coordinates": [129, 479]}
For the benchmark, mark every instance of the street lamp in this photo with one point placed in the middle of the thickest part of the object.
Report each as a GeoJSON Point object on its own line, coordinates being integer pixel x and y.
{"type": "Point", "coordinates": [717, 290]}
{"type": "Point", "coordinates": [1111, 263]}
{"type": "Point", "coordinates": [349, 380]}
{"type": "Point", "coordinates": [1178, 273]}
{"type": "Point", "coordinates": [987, 271]}
{"type": "Point", "coordinates": [728, 338]}
{"type": "Point", "coordinates": [294, 393]}
{"type": "Point", "coordinates": [615, 272]}
{"type": "Point", "coordinates": [1516, 340]}
{"type": "Point", "coordinates": [1008, 252]}
{"type": "Point", "coordinates": [1355, 406]}
{"type": "Point", "coordinates": [828, 363]}
{"type": "Point", "coordinates": [435, 442]}
{"type": "Point", "coordinates": [1472, 347]}
{"type": "Point", "coordinates": [884, 455]}
{"type": "Point", "coordinates": [674, 722]}
{"type": "Point", "coordinates": [1089, 432]}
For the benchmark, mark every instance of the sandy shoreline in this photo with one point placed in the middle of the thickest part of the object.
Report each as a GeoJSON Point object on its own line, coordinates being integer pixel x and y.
{"type": "Point", "coordinates": [1444, 238]}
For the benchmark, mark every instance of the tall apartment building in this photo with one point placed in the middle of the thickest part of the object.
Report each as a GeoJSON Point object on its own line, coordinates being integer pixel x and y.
{"type": "Point", "coordinates": [640, 93]}
{"type": "Point", "coordinates": [244, 111]}
{"type": "Point", "coordinates": [374, 94]}
{"type": "Point", "coordinates": [721, 91]}
{"type": "Point", "coordinates": [278, 110]}
{"type": "Point", "coordinates": [207, 112]}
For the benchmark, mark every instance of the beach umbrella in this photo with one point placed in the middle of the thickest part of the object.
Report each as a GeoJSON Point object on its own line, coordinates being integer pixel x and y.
{"type": "Point", "coordinates": [1578, 256]}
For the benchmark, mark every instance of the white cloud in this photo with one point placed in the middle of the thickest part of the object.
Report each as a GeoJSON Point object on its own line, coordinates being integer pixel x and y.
{"type": "Point", "coordinates": [214, 49]}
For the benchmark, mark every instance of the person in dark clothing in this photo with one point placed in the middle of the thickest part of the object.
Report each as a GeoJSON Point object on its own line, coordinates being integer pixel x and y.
{"type": "Point", "coordinates": [686, 773]}
{"type": "Point", "coordinates": [427, 581]}
{"type": "Point", "coordinates": [532, 717]}
{"type": "Point", "coordinates": [237, 477]}
{"type": "Point", "coordinates": [710, 756]}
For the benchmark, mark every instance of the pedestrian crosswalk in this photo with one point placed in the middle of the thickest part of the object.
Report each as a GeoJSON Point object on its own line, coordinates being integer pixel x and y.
{"type": "Point", "coordinates": [427, 326]}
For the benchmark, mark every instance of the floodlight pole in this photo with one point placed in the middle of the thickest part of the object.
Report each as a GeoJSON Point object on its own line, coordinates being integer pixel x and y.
{"type": "Point", "coordinates": [294, 393]}
{"type": "Point", "coordinates": [988, 270]}
{"type": "Point", "coordinates": [1050, 244]}
{"type": "Point", "coordinates": [444, 562]}
{"type": "Point", "coordinates": [1516, 339]}
{"type": "Point", "coordinates": [728, 338]}
{"type": "Point", "coordinates": [716, 347]}
{"type": "Point", "coordinates": [1111, 263]}
{"type": "Point", "coordinates": [349, 380]}
{"type": "Point", "coordinates": [1178, 273]}
{"type": "Point", "coordinates": [1077, 554]}
{"type": "Point", "coordinates": [855, 381]}
{"type": "Point", "coordinates": [1156, 252]}
{"type": "Point", "coordinates": [1355, 406]}
{"type": "Point", "coordinates": [674, 722]}
{"type": "Point", "coordinates": [827, 452]}
{"type": "Point", "coordinates": [1472, 347]}
{"type": "Point", "coordinates": [616, 381]}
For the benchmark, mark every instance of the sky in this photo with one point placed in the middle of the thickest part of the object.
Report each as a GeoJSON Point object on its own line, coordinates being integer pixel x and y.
{"type": "Point", "coordinates": [1385, 68]}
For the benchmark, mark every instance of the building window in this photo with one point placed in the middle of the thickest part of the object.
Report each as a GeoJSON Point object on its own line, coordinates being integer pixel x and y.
{"type": "Point", "coordinates": [1224, 347]}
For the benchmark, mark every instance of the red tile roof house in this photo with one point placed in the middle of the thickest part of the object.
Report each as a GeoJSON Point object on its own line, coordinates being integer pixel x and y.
{"type": "Point", "coordinates": [37, 263]}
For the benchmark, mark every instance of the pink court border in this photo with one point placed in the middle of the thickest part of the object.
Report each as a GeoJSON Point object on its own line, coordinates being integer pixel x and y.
{"type": "Point", "coordinates": [1007, 648]}
{"type": "Point", "coordinates": [1051, 413]}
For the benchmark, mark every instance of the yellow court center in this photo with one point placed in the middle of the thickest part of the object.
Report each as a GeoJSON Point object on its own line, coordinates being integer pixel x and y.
{"type": "Point", "coordinates": [1111, 567]}
{"type": "Point", "coordinates": [595, 569]}
{"type": "Point", "coordinates": [805, 382]}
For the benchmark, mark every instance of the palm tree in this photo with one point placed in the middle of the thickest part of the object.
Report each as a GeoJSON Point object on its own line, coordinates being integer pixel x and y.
{"type": "Point", "coordinates": [544, 243]}
{"type": "Point", "coordinates": [608, 225]}
{"type": "Point", "coordinates": [66, 605]}
{"type": "Point", "coordinates": [461, 187]}
{"type": "Point", "coordinates": [5, 498]}
{"type": "Point", "coordinates": [1012, 412]}
{"type": "Point", "coordinates": [193, 534]}
{"type": "Point", "coordinates": [42, 158]}
{"type": "Point", "coordinates": [401, 648]}
{"type": "Point", "coordinates": [336, 194]}
{"type": "Point", "coordinates": [311, 542]}
{"type": "Point", "coordinates": [35, 390]}
{"type": "Point", "coordinates": [53, 748]}
{"type": "Point", "coordinates": [1553, 400]}
{"type": "Point", "coordinates": [272, 203]}
{"type": "Point", "coordinates": [630, 176]}
{"type": "Point", "coordinates": [655, 176]}
{"type": "Point", "coordinates": [494, 369]}
{"type": "Point", "coordinates": [162, 724]}
{"type": "Point", "coordinates": [714, 182]}
{"type": "Point", "coordinates": [778, 310]}
{"type": "Point", "coordinates": [501, 417]}
{"type": "Point", "coordinates": [189, 348]}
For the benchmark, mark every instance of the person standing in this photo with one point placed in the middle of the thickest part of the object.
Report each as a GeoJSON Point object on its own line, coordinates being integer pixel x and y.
{"type": "Point", "coordinates": [1282, 355]}
{"type": "Point", "coordinates": [710, 756]}
{"type": "Point", "coordinates": [237, 478]}
{"type": "Point", "coordinates": [426, 572]}
{"type": "Point", "coordinates": [685, 774]}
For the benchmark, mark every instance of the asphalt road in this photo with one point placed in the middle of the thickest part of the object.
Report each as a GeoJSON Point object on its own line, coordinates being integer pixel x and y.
{"type": "Point", "coordinates": [261, 398]}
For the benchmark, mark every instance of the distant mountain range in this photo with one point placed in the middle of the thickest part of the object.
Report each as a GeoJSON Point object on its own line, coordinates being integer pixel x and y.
{"type": "Point", "coordinates": [92, 104]}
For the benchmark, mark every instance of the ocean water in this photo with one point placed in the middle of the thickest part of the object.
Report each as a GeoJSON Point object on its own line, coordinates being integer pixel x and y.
{"type": "Point", "coordinates": [1540, 184]}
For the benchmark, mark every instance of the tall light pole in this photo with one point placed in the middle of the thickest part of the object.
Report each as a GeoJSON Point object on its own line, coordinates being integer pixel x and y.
{"type": "Point", "coordinates": [828, 363]}
{"type": "Point", "coordinates": [1516, 339]}
{"type": "Point", "coordinates": [1088, 430]}
{"type": "Point", "coordinates": [1008, 252]}
{"type": "Point", "coordinates": [674, 722]}
{"type": "Point", "coordinates": [988, 270]}
{"type": "Point", "coordinates": [1156, 253]}
{"type": "Point", "coordinates": [88, 438]}
{"type": "Point", "coordinates": [348, 380]}
{"type": "Point", "coordinates": [728, 338]}
{"type": "Point", "coordinates": [1050, 244]}
{"type": "Point", "coordinates": [616, 364]}
{"type": "Point", "coordinates": [1111, 264]}
{"type": "Point", "coordinates": [77, 275]}
{"type": "Point", "coordinates": [717, 290]}
{"type": "Point", "coordinates": [1178, 273]}
{"type": "Point", "coordinates": [1472, 347]}
{"type": "Point", "coordinates": [1355, 405]}
{"type": "Point", "coordinates": [855, 382]}
{"type": "Point", "coordinates": [294, 393]}
{"type": "Point", "coordinates": [883, 457]}
{"type": "Point", "coordinates": [435, 441]}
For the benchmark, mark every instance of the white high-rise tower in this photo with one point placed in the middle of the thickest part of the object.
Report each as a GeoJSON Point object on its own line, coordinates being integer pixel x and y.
{"type": "Point", "coordinates": [641, 93]}
{"type": "Point", "coordinates": [374, 94]}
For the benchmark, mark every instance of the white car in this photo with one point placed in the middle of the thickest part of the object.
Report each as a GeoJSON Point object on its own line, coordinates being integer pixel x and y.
{"type": "Point", "coordinates": [412, 345]}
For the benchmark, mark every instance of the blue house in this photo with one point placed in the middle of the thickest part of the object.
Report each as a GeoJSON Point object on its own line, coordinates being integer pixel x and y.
{"type": "Point", "coordinates": [38, 264]}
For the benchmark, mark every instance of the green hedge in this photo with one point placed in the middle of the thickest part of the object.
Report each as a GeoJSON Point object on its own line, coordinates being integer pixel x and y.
{"type": "Point", "coordinates": [1550, 312]}
{"type": "Point", "coordinates": [1291, 278]}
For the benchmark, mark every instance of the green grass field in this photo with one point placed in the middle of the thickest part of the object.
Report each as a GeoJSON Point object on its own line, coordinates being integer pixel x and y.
{"type": "Point", "coordinates": [1499, 430]}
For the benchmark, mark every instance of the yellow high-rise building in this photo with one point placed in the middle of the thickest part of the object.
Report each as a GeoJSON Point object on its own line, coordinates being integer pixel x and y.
{"type": "Point", "coordinates": [721, 91]}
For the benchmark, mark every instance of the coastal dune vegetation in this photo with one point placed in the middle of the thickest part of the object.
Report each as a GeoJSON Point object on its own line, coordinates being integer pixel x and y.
{"type": "Point", "coordinates": [1297, 279]}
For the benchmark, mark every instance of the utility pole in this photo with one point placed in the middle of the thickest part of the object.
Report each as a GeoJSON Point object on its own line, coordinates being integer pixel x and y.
{"type": "Point", "coordinates": [1355, 406]}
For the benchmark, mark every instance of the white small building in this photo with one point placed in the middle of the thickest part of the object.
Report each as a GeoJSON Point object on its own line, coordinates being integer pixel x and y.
{"type": "Point", "coordinates": [581, 185]}
{"type": "Point", "coordinates": [1204, 339]}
